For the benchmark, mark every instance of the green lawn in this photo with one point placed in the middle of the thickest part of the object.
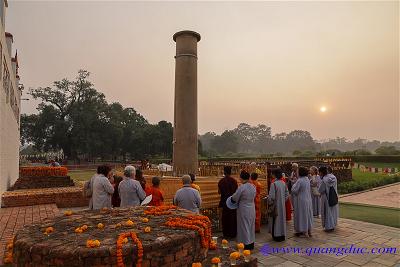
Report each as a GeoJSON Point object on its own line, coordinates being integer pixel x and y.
{"type": "Point", "coordinates": [81, 175]}
{"type": "Point", "coordinates": [372, 214]}
{"type": "Point", "coordinates": [380, 164]}
{"type": "Point", "coordinates": [362, 176]}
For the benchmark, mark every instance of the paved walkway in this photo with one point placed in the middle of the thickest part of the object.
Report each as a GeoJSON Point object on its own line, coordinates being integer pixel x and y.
{"type": "Point", "coordinates": [388, 196]}
{"type": "Point", "coordinates": [13, 219]}
{"type": "Point", "coordinates": [349, 232]}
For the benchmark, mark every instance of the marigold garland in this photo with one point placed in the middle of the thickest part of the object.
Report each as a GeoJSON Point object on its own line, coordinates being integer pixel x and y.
{"type": "Point", "coordinates": [8, 256]}
{"type": "Point", "coordinates": [160, 210]}
{"type": "Point", "coordinates": [43, 171]}
{"type": "Point", "coordinates": [122, 239]}
{"type": "Point", "coordinates": [199, 223]}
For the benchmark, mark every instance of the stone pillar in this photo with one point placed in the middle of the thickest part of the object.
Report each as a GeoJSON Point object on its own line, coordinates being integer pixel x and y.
{"type": "Point", "coordinates": [185, 154]}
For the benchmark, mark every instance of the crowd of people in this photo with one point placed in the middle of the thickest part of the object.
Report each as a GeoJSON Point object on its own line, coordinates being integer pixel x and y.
{"type": "Point", "coordinates": [304, 194]}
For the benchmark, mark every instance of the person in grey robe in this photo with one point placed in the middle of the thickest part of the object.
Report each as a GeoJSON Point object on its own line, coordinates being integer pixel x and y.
{"type": "Point", "coordinates": [315, 182]}
{"type": "Point", "coordinates": [246, 211]}
{"type": "Point", "coordinates": [102, 188]}
{"type": "Point", "coordinates": [278, 193]}
{"type": "Point", "coordinates": [130, 190]}
{"type": "Point", "coordinates": [187, 197]}
{"type": "Point", "coordinates": [329, 215]}
{"type": "Point", "coordinates": [302, 205]}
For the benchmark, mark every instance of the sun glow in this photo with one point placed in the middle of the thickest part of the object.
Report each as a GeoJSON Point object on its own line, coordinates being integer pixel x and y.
{"type": "Point", "coordinates": [323, 109]}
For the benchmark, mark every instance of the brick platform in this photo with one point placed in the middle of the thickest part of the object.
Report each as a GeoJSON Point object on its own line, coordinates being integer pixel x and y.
{"type": "Point", "coordinates": [35, 182]}
{"type": "Point", "coordinates": [13, 219]}
{"type": "Point", "coordinates": [63, 197]}
{"type": "Point", "coordinates": [163, 246]}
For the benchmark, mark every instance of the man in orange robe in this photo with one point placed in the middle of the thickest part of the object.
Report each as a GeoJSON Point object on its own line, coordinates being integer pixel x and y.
{"type": "Point", "coordinates": [257, 200]}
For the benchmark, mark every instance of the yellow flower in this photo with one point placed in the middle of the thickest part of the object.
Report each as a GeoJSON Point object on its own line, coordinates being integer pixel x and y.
{"type": "Point", "coordinates": [224, 241]}
{"type": "Point", "coordinates": [147, 229]}
{"type": "Point", "coordinates": [49, 230]}
{"type": "Point", "coordinates": [100, 225]}
{"type": "Point", "coordinates": [196, 264]}
{"type": "Point", "coordinates": [84, 227]}
{"type": "Point", "coordinates": [240, 246]}
{"type": "Point", "coordinates": [78, 230]}
{"type": "Point", "coordinates": [145, 220]}
{"type": "Point", "coordinates": [246, 252]}
{"type": "Point", "coordinates": [125, 240]}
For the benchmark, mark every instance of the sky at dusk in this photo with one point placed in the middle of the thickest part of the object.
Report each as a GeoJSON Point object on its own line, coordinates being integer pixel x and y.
{"type": "Point", "coordinates": [275, 63]}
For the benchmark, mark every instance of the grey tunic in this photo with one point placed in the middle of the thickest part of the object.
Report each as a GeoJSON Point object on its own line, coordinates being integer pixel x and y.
{"type": "Point", "coordinates": [329, 215]}
{"type": "Point", "coordinates": [246, 213]}
{"type": "Point", "coordinates": [302, 205]}
{"type": "Point", "coordinates": [315, 182]}
{"type": "Point", "coordinates": [188, 198]}
{"type": "Point", "coordinates": [102, 192]}
{"type": "Point", "coordinates": [279, 194]}
{"type": "Point", "coordinates": [131, 192]}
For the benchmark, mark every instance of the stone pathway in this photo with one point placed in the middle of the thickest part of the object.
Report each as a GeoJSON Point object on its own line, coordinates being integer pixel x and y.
{"type": "Point", "coordinates": [349, 232]}
{"type": "Point", "coordinates": [13, 219]}
{"type": "Point", "coordinates": [388, 196]}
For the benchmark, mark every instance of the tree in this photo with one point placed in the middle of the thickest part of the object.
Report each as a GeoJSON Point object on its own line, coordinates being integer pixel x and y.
{"type": "Point", "coordinates": [387, 150]}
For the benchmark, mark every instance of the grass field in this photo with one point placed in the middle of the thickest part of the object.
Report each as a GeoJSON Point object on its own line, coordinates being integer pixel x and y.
{"type": "Point", "coordinates": [372, 214]}
{"type": "Point", "coordinates": [81, 175]}
{"type": "Point", "coordinates": [380, 164]}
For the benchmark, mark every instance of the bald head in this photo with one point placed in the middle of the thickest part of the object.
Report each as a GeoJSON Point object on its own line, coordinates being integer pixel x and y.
{"type": "Point", "coordinates": [186, 180]}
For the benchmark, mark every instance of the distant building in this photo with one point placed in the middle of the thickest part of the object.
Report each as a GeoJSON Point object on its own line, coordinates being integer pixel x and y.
{"type": "Point", "coordinates": [10, 106]}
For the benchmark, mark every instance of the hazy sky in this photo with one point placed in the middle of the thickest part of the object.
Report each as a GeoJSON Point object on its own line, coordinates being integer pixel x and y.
{"type": "Point", "coordinates": [274, 63]}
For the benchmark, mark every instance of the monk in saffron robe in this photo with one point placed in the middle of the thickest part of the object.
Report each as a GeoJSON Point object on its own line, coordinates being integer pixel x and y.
{"type": "Point", "coordinates": [227, 187]}
{"type": "Point", "coordinates": [257, 200]}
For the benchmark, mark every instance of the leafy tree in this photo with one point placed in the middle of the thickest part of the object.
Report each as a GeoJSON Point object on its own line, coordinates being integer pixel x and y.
{"type": "Point", "coordinates": [387, 150]}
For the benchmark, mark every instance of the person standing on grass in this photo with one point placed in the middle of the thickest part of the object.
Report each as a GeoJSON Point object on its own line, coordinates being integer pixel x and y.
{"type": "Point", "coordinates": [315, 182]}
{"type": "Point", "coordinates": [302, 205]}
{"type": "Point", "coordinates": [329, 214]}
{"type": "Point", "coordinates": [278, 194]}
{"type": "Point", "coordinates": [227, 186]}
{"type": "Point", "coordinates": [102, 188]}
{"type": "Point", "coordinates": [130, 190]}
{"type": "Point", "coordinates": [257, 200]}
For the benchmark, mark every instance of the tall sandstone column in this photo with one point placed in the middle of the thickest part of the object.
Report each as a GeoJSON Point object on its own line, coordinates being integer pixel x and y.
{"type": "Point", "coordinates": [185, 155]}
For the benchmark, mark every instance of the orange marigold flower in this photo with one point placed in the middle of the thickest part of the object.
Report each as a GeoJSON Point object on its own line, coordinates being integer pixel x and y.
{"type": "Point", "coordinates": [125, 240]}
{"type": "Point", "coordinates": [92, 243]}
{"type": "Point", "coordinates": [49, 230]}
{"type": "Point", "coordinates": [215, 260]}
{"type": "Point", "coordinates": [224, 241]}
{"type": "Point", "coordinates": [118, 225]}
{"type": "Point", "coordinates": [8, 260]}
{"type": "Point", "coordinates": [196, 264]}
{"type": "Point", "coordinates": [78, 230]}
{"type": "Point", "coordinates": [240, 246]}
{"type": "Point", "coordinates": [129, 223]}
{"type": "Point", "coordinates": [234, 255]}
{"type": "Point", "coordinates": [100, 225]}
{"type": "Point", "coordinates": [10, 246]}
{"type": "Point", "coordinates": [246, 252]}
{"type": "Point", "coordinates": [147, 229]}
{"type": "Point", "coordinates": [68, 213]}
{"type": "Point", "coordinates": [145, 220]}
{"type": "Point", "coordinates": [84, 227]}
{"type": "Point", "coordinates": [213, 245]}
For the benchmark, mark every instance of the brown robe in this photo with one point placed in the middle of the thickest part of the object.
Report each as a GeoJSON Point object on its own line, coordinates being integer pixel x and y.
{"type": "Point", "coordinates": [227, 187]}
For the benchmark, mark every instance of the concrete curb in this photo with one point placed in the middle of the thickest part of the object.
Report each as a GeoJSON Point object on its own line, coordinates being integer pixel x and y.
{"type": "Point", "coordinates": [368, 190]}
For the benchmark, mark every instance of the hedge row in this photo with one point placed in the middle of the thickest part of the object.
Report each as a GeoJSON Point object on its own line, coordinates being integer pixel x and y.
{"type": "Point", "coordinates": [361, 185]}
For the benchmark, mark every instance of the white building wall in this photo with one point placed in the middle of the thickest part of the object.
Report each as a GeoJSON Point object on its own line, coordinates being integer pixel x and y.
{"type": "Point", "coordinates": [9, 117]}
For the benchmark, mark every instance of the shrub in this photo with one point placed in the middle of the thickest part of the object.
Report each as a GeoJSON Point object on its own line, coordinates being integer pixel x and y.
{"type": "Point", "coordinates": [361, 185]}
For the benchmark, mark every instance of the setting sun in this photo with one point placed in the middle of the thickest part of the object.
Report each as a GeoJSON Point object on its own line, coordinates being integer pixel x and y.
{"type": "Point", "coordinates": [323, 109]}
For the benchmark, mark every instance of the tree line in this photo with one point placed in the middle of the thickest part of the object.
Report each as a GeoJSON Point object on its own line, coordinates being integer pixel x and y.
{"type": "Point", "coordinates": [75, 117]}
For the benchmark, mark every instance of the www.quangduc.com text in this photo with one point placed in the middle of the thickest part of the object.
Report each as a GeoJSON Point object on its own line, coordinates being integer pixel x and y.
{"type": "Point", "coordinates": [338, 251]}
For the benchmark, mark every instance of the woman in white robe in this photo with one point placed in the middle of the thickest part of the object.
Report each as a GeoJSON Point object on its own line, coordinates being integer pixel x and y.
{"type": "Point", "coordinates": [302, 205]}
{"type": "Point", "coordinates": [329, 215]}
{"type": "Point", "coordinates": [246, 211]}
{"type": "Point", "coordinates": [102, 188]}
{"type": "Point", "coordinates": [315, 182]}
{"type": "Point", "coordinates": [278, 193]}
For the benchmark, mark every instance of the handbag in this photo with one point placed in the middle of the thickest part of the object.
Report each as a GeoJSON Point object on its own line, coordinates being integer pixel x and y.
{"type": "Point", "coordinates": [272, 209]}
{"type": "Point", "coordinates": [333, 198]}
